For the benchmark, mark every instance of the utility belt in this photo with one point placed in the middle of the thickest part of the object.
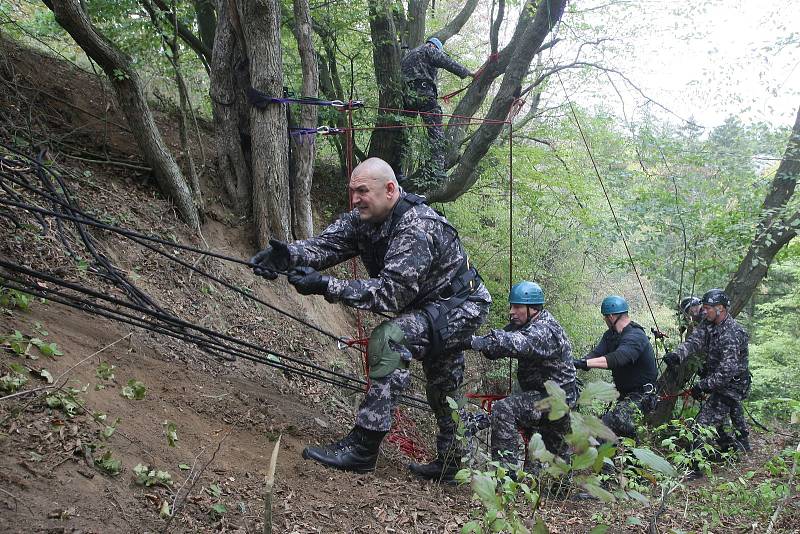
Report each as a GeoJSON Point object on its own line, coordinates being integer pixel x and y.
{"type": "Point", "coordinates": [466, 282]}
{"type": "Point", "coordinates": [644, 389]}
{"type": "Point", "coordinates": [421, 85]}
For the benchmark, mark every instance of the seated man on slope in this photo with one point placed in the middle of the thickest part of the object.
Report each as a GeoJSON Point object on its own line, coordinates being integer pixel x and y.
{"type": "Point", "coordinates": [626, 350]}
{"type": "Point", "coordinates": [539, 343]}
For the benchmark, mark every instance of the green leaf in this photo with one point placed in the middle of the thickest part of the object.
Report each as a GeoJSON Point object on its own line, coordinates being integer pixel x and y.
{"type": "Point", "coordinates": [537, 450]}
{"type": "Point", "coordinates": [472, 526]}
{"type": "Point", "coordinates": [49, 349]}
{"type": "Point", "coordinates": [540, 527]}
{"type": "Point", "coordinates": [135, 390]}
{"type": "Point", "coordinates": [164, 511]}
{"type": "Point", "coordinates": [555, 403]}
{"type": "Point", "coordinates": [597, 391]}
{"type": "Point", "coordinates": [584, 460]}
{"type": "Point", "coordinates": [484, 487]}
{"type": "Point", "coordinates": [592, 485]}
{"type": "Point", "coordinates": [171, 431]}
{"type": "Point", "coordinates": [219, 509]}
{"type": "Point", "coordinates": [214, 490]}
{"type": "Point", "coordinates": [44, 373]}
{"type": "Point", "coordinates": [108, 464]}
{"type": "Point", "coordinates": [109, 430]}
{"type": "Point", "coordinates": [104, 371]}
{"type": "Point", "coordinates": [633, 494]}
{"type": "Point", "coordinates": [599, 529]}
{"type": "Point", "coordinates": [655, 462]}
{"type": "Point", "coordinates": [597, 429]}
{"type": "Point", "coordinates": [184, 467]}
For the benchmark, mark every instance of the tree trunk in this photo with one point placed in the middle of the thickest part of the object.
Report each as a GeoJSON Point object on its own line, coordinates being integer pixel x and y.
{"type": "Point", "coordinates": [303, 224]}
{"type": "Point", "coordinates": [465, 174]}
{"type": "Point", "coordinates": [130, 95]}
{"type": "Point", "coordinates": [386, 142]}
{"type": "Point", "coordinates": [776, 228]}
{"type": "Point", "coordinates": [415, 27]}
{"type": "Point", "coordinates": [774, 231]}
{"type": "Point", "coordinates": [454, 26]}
{"type": "Point", "coordinates": [231, 113]}
{"type": "Point", "coordinates": [261, 28]}
{"type": "Point", "coordinates": [206, 22]}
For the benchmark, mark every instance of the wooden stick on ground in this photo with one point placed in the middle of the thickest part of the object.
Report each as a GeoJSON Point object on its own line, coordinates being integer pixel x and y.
{"type": "Point", "coordinates": [269, 485]}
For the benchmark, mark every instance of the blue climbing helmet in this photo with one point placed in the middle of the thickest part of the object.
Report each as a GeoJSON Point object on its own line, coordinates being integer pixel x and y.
{"type": "Point", "coordinates": [435, 42]}
{"type": "Point", "coordinates": [525, 292]}
{"type": "Point", "coordinates": [613, 304]}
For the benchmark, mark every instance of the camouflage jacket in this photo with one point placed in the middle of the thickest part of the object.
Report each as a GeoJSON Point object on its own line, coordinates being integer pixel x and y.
{"type": "Point", "coordinates": [543, 351]}
{"type": "Point", "coordinates": [423, 254]}
{"type": "Point", "coordinates": [725, 346]}
{"type": "Point", "coordinates": [421, 64]}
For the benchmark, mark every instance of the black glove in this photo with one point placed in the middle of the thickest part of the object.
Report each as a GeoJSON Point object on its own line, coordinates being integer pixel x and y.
{"type": "Point", "coordinates": [479, 343]}
{"type": "Point", "coordinates": [309, 281]}
{"type": "Point", "coordinates": [671, 359]}
{"type": "Point", "coordinates": [581, 364]}
{"type": "Point", "coordinates": [697, 392]}
{"type": "Point", "coordinates": [273, 258]}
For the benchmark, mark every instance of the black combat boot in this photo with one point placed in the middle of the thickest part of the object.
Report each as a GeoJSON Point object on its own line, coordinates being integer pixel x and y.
{"type": "Point", "coordinates": [439, 470]}
{"type": "Point", "coordinates": [357, 452]}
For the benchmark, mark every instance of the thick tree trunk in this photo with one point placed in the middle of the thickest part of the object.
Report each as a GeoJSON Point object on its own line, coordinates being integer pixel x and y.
{"type": "Point", "coordinates": [206, 22]}
{"type": "Point", "coordinates": [303, 224]}
{"type": "Point", "coordinates": [776, 229]}
{"type": "Point", "coordinates": [386, 142]}
{"type": "Point", "coordinates": [415, 25]}
{"type": "Point", "coordinates": [465, 174]}
{"type": "Point", "coordinates": [260, 21]}
{"type": "Point", "coordinates": [130, 95]}
{"type": "Point", "coordinates": [454, 26]}
{"type": "Point", "coordinates": [231, 113]}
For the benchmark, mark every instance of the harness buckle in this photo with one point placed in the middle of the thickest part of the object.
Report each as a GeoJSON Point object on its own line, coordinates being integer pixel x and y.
{"type": "Point", "coordinates": [648, 388]}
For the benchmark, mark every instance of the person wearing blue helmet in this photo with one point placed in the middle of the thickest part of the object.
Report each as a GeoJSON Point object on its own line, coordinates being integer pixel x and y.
{"type": "Point", "coordinates": [420, 68]}
{"type": "Point", "coordinates": [626, 350]}
{"type": "Point", "coordinates": [535, 339]}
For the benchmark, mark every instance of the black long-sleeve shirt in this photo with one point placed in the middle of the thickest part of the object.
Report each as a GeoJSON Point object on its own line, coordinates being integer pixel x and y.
{"type": "Point", "coordinates": [630, 357]}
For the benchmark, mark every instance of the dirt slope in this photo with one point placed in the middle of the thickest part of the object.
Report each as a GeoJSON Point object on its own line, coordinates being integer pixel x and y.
{"type": "Point", "coordinates": [227, 415]}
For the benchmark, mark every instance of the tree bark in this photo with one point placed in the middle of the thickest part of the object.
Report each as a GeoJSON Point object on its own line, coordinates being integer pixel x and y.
{"type": "Point", "coordinates": [386, 142]}
{"type": "Point", "coordinates": [415, 27]}
{"type": "Point", "coordinates": [776, 228]}
{"type": "Point", "coordinates": [774, 231]}
{"type": "Point", "coordinates": [302, 216]}
{"type": "Point", "coordinates": [261, 28]}
{"type": "Point", "coordinates": [454, 26]}
{"type": "Point", "coordinates": [130, 95]}
{"type": "Point", "coordinates": [465, 175]}
{"type": "Point", "coordinates": [207, 23]}
{"type": "Point", "coordinates": [231, 113]}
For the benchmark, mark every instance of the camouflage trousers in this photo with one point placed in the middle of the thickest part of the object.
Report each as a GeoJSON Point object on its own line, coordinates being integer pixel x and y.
{"type": "Point", "coordinates": [444, 372]}
{"type": "Point", "coordinates": [519, 412]}
{"type": "Point", "coordinates": [622, 417]}
{"type": "Point", "coordinates": [421, 99]}
{"type": "Point", "coordinates": [715, 411]}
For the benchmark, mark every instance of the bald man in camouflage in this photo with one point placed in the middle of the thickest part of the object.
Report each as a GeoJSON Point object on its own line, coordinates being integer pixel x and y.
{"type": "Point", "coordinates": [419, 270]}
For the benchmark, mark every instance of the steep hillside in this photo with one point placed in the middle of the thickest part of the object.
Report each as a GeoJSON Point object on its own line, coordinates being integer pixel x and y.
{"type": "Point", "coordinates": [71, 437]}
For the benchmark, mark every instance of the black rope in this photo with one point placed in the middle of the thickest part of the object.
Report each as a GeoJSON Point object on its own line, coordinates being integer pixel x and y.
{"type": "Point", "coordinates": [608, 199]}
{"type": "Point", "coordinates": [178, 329]}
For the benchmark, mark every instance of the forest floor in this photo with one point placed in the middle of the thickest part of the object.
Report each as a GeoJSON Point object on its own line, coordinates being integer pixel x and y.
{"type": "Point", "coordinates": [57, 468]}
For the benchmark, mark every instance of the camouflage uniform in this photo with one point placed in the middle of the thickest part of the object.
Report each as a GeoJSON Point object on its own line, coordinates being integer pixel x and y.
{"type": "Point", "coordinates": [544, 353]}
{"type": "Point", "coordinates": [632, 362]}
{"type": "Point", "coordinates": [411, 262]}
{"type": "Point", "coordinates": [419, 68]}
{"type": "Point", "coordinates": [725, 375]}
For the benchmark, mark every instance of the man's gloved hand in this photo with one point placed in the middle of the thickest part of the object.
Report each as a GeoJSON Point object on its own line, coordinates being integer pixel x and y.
{"type": "Point", "coordinates": [672, 359]}
{"type": "Point", "coordinates": [697, 392]}
{"type": "Point", "coordinates": [479, 343]}
{"type": "Point", "coordinates": [581, 364]}
{"type": "Point", "coordinates": [309, 281]}
{"type": "Point", "coordinates": [271, 260]}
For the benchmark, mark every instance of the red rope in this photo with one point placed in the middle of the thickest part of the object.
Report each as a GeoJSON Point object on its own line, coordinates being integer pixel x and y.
{"type": "Point", "coordinates": [486, 400]}
{"type": "Point", "coordinates": [405, 435]}
{"type": "Point", "coordinates": [492, 58]}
